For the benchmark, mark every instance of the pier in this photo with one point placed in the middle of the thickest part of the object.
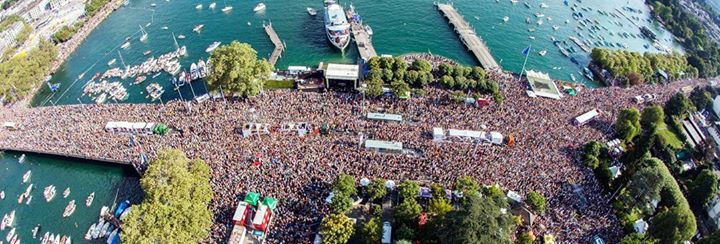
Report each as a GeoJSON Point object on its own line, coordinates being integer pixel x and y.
{"type": "Point", "coordinates": [363, 41]}
{"type": "Point", "coordinates": [279, 46]}
{"type": "Point", "coordinates": [135, 166]}
{"type": "Point", "coordinates": [468, 36]}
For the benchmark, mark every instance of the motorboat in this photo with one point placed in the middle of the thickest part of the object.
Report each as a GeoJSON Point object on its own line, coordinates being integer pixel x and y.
{"type": "Point", "coordinates": [543, 5]}
{"type": "Point", "coordinates": [369, 30]}
{"type": "Point", "coordinates": [180, 37]}
{"type": "Point", "coordinates": [259, 7]}
{"type": "Point", "coordinates": [337, 28]}
{"type": "Point", "coordinates": [506, 19]}
{"type": "Point", "coordinates": [197, 28]}
{"type": "Point", "coordinates": [69, 209]}
{"type": "Point", "coordinates": [26, 176]}
{"type": "Point", "coordinates": [10, 234]}
{"type": "Point", "coordinates": [212, 47]}
{"type": "Point", "coordinates": [144, 35]}
{"type": "Point", "coordinates": [199, 6]}
{"type": "Point", "coordinates": [35, 231]}
{"type": "Point", "coordinates": [139, 79]}
{"type": "Point", "coordinates": [88, 235]}
{"type": "Point", "coordinates": [121, 207]}
{"type": "Point", "coordinates": [7, 220]}
{"type": "Point", "coordinates": [66, 193]}
{"type": "Point", "coordinates": [112, 236]}
{"type": "Point", "coordinates": [539, 15]}
{"type": "Point", "coordinates": [227, 9]}
{"type": "Point", "coordinates": [21, 159]}
{"type": "Point", "coordinates": [125, 45]}
{"type": "Point", "coordinates": [148, 52]}
{"type": "Point", "coordinates": [90, 199]}
{"type": "Point", "coordinates": [27, 201]}
{"type": "Point", "coordinates": [101, 99]}
{"type": "Point", "coordinates": [164, 28]}
{"type": "Point", "coordinates": [125, 213]}
{"type": "Point", "coordinates": [311, 11]}
{"type": "Point", "coordinates": [111, 62]}
{"type": "Point", "coordinates": [212, 5]}
{"type": "Point", "coordinates": [2, 195]}
{"type": "Point", "coordinates": [49, 193]}
{"type": "Point", "coordinates": [104, 229]}
{"type": "Point", "coordinates": [542, 53]}
{"type": "Point", "coordinates": [555, 27]}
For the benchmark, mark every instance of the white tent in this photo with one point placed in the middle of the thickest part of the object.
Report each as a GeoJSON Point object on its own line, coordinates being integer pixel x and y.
{"type": "Point", "coordinates": [390, 184]}
{"type": "Point", "coordinates": [496, 138]}
{"type": "Point", "coordinates": [514, 196]}
{"type": "Point", "coordinates": [640, 226]}
{"type": "Point", "coordinates": [438, 134]}
{"type": "Point", "coordinates": [364, 181]}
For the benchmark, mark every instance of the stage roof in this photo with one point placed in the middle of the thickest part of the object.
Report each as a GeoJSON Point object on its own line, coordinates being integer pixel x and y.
{"type": "Point", "coordinates": [542, 85]}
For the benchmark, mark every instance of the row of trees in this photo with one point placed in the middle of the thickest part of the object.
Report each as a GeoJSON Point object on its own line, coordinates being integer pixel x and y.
{"type": "Point", "coordinates": [92, 6]}
{"type": "Point", "coordinates": [177, 193]}
{"type": "Point", "coordinates": [396, 73]}
{"type": "Point", "coordinates": [20, 74]}
{"type": "Point", "coordinates": [635, 68]}
{"type": "Point", "coordinates": [464, 78]}
{"type": "Point", "coordinates": [702, 52]}
{"type": "Point", "coordinates": [65, 33]}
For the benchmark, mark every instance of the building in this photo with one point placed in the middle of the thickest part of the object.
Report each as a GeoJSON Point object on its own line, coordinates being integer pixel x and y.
{"type": "Point", "coordinates": [7, 37]}
{"type": "Point", "coordinates": [713, 212]}
{"type": "Point", "coordinates": [341, 76]}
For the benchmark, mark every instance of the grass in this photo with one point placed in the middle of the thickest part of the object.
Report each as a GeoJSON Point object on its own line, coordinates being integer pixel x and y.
{"type": "Point", "coordinates": [671, 139]}
{"type": "Point", "coordinates": [279, 84]}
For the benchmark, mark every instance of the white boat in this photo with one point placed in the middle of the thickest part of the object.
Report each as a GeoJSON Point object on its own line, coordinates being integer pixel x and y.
{"type": "Point", "coordinates": [212, 47]}
{"type": "Point", "coordinates": [539, 15]}
{"type": "Point", "coordinates": [90, 199]}
{"type": "Point", "coordinates": [10, 234]}
{"type": "Point", "coordinates": [164, 27]}
{"type": "Point", "coordinates": [369, 30]}
{"type": "Point", "coordinates": [197, 28]}
{"type": "Point", "coordinates": [88, 235]}
{"type": "Point", "coordinates": [144, 35]}
{"type": "Point", "coordinates": [112, 236]}
{"type": "Point", "coordinates": [125, 45]}
{"type": "Point", "coordinates": [21, 198]}
{"type": "Point", "coordinates": [8, 220]}
{"type": "Point", "coordinates": [259, 7]}
{"type": "Point", "coordinates": [28, 200]}
{"type": "Point", "coordinates": [66, 193]}
{"type": "Point", "coordinates": [540, 22]}
{"type": "Point", "coordinates": [227, 9]}
{"type": "Point", "coordinates": [44, 238]}
{"type": "Point", "coordinates": [98, 228]}
{"type": "Point", "coordinates": [68, 240]}
{"type": "Point", "coordinates": [57, 239]}
{"type": "Point", "coordinates": [26, 176]}
{"type": "Point", "coordinates": [514, 1]}
{"type": "Point", "coordinates": [111, 62]}
{"type": "Point", "coordinates": [49, 193]}
{"type": "Point", "coordinates": [180, 37]}
{"type": "Point", "coordinates": [543, 5]}
{"type": "Point", "coordinates": [69, 209]}
{"type": "Point", "coordinates": [542, 53]}
{"type": "Point", "coordinates": [555, 27]}
{"type": "Point", "coordinates": [104, 210]}
{"type": "Point", "coordinates": [35, 231]}
{"type": "Point", "coordinates": [311, 11]}
{"type": "Point", "coordinates": [2, 195]}
{"type": "Point", "coordinates": [104, 229]}
{"type": "Point", "coordinates": [22, 158]}
{"type": "Point", "coordinates": [51, 239]}
{"type": "Point", "coordinates": [337, 28]}
{"type": "Point", "coordinates": [506, 19]}
{"type": "Point", "coordinates": [199, 6]}
{"type": "Point", "coordinates": [125, 213]}
{"type": "Point", "coordinates": [109, 231]}
{"type": "Point", "coordinates": [212, 5]}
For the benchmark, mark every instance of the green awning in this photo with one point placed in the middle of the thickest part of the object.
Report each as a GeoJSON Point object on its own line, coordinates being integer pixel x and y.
{"type": "Point", "coordinates": [270, 202]}
{"type": "Point", "coordinates": [160, 129]}
{"type": "Point", "coordinates": [252, 198]}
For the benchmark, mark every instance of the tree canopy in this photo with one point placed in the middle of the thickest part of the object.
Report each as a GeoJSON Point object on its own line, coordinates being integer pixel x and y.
{"type": "Point", "coordinates": [377, 189]}
{"type": "Point", "coordinates": [628, 124]}
{"type": "Point", "coordinates": [536, 201]}
{"type": "Point", "coordinates": [372, 230]}
{"type": "Point", "coordinates": [346, 184]}
{"type": "Point", "coordinates": [478, 221]}
{"type": "Point", "coordinates": [20, 74]}
{"type": "Point", "coordinates": [673, 225]}
{"type": "Point", "coordinates": [702, 189]}
{"type": "Point", "coordinates": [622, 64]}
{"type": "Point", "coordinates": [679, 105]}
{"type": "Point", "coordinates": [177, 192]}
{"type": "Point", "coordinates": [336, 229]}
{"type": "Point", "coordinates": [652, 115]}
{"type": "Point", "coordinates": [236, 69]}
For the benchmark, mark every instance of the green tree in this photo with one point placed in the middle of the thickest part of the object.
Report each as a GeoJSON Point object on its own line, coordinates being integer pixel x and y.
{"type": "Point", "coordinates": [236, 69]}
{"type": "Point", "coordinates": [446, 69]}
{"type": "Point", "coordinates": [702, 188]}
{"type": "Point", "coordinates": [372, 231]}
{"type": "Point", "coordinates": [652, 115]}
{"type": "Point", "coordinates": [711, 239]}
{"type": "Point", "coordinates": [673, 225]}
{"type": "Point", "coordinates": [408, 190]}
{"type": "Point", "coordinates": [92, 6]}
{"type": "Point", "coordinates": [628, 124]}
{"type": "Point", "coordinates": [439, 206]}
{"type": "Point", "coordinates": [525, 238]}
{"type": "Point", "coordinates": [336, 229]}
{"type": "Point", "coordinates": [644, 187]}
{"type": "Point", "coordinates": [22, 73]}
{"type": "Point", "coordinates": [387, 62]}
{"type": "Point", "coordinates": [408, 211]}
{"type": "Point", "coordinates": [404, 233]}
{"type": "Point", "coordinates": [387, 75]}
{"type": "Point", "coordinates": [536, 201]}
{"type": "Point", "coordinates": [177, 191]}
{"type": "Point", "coordinates": [341, 203]}
{"type": "Point", "coordinates": [478, 73]}
{"type": "Point", "coordinates": [479, 221]}
{"type": "Point", "coordinates": [701, 98]}
{"type": "Point", "coordinates": [400, 88]}
{"type": "Point", "coordinates": [64, 34]}
{"type": "Point", "coordinates": [678, 105]}
{"type": "Point", "coordinates": [438, 191]}
{"type": "Point", "coordinates": [466, 185]}
{"type": "Point", "coordinates": [377, 189]}
{"type": "Point", "coordinates": [374, 63]}
{"type": "Point", "coordinates": [447, 81]}
{"type": "Point", "coordinates": [346, 184]}
{"type": "Point", "coordinates": [374, 88]}
{"type": "Point", "coordinates": [633, 238]}
{"type": "Point", "coordinates": [422, 66]}
{"type": "Point", "coordinates": [399, 64]}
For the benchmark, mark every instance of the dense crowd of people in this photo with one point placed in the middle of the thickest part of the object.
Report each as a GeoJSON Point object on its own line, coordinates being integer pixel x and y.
{"type": "Point", "coordinates": [299, 170]}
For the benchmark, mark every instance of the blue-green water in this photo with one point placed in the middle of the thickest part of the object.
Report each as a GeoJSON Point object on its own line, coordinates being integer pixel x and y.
{"type": "Point", "coordinates": [400, 27]}
{"type": "Point", "coordinates": [82, 177]}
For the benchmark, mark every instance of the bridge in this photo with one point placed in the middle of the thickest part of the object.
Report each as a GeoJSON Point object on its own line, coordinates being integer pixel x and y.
{"type": "Point", "coordinates": [134, 165]}
{"type": "Point", "coordinates": [279, 46]}
{"type": "Point", "coordinates": [468, 36]}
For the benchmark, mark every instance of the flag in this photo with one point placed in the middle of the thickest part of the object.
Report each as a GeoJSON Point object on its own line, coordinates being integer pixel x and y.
{"type": "Point", "coordinates": [526, 51]}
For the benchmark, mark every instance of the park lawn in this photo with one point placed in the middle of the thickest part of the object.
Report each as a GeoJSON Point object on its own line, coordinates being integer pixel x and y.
{"type": "Point", "coordinates": [279, 84]}
{"type": "Point", "coordinates": [670, 137]}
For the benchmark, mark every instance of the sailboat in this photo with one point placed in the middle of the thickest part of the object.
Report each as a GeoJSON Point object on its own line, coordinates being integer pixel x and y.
{"type": "Point", "coordinates": [227, 8]}
{"type": "Point", "coordinates": [182, 51]}
{"type": "Point", "coordinates": [144, 36]}
{"type": "Point", "coordinates": [199, 6]}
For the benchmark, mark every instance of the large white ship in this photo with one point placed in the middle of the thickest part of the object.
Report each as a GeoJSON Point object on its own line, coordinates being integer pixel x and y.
{"type": "Point", "coordinates": [337, 27]}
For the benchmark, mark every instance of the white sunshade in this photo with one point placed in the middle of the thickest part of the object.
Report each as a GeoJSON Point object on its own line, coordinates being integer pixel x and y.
{"type": "Point", "coordinates": [466, 133]}
{"type": "Point", "coordinates": [364, 181]}
{"type": "Point", "coordinates": [390, 184]}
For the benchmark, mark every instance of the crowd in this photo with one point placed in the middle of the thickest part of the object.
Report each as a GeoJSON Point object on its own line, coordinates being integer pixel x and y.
{"type": "Point", "coordinates": [299, 170]}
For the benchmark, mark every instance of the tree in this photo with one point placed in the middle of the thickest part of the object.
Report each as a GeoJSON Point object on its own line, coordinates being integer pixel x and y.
{"type": "Point", "coordinates": [387, 62]}
{"type": "Point", "coordinates": [399, 64]}
{"type": "Point", "coordinates": [374, 88]}
{"type": "Point", "coordinates": [408, 190]}
{"type": "Point", "coordinates": [438, 191]}
{"type": "Point", "coordinates": [447, 81]}
{"type": "Point", "coordinates": [701, 98]}
{"type": "Point", "coordinates": [387, 75]}
{"type": "Point", "coordinates": [446, 69]}
{"type": "Point", "coordinates": [644, 187]}
{"type": "Point", "coordinates": [336, 229]}
{"type": "Point", "coordinates": [236, 69]}
{"type": "Point", "coordinates": [702, 188]}
{"type": "Point", "coordinates": [377, 189]}
{"type": "Point", "coordinates": [439, 206]}
{"type": "Point", "coordinates": [374, 63]}
{"type": "Point", "coordinates": [400, 88]}
{"type": "Point", "coordinates": [713, 238]}
{"type": "Point", "coordinates": [346, 184]}
{"type": "Point", "coordinates": [177, 191]}
{"type": "Point", "coordinates": [478, 73]}
{"type": "Point", "coordinates": [536, 201]}
{"type": "Point", "coordinates": [341, 203]}
{"type": "Point", "coordinates": [372, 231]}
{"type": "Point", "coordinates": [478, 221]}
{"type": "Point", "coordinates": [466, 185]}
{"type": "Point", "coordinates": [64, 34]}
{"type": "Point", "coordinates": [525, 238]}
{"type": "Point", "coordinates": [633, 238]}
{"type": "Point", "coordinates": [408, 211]}
{"type": "Point", "coordinates": [673, 225]}
{"type": "Point", "coordinates": [678, 105]}
{"type": "Point", "coordinates": [22, 73]}
{"type": "Point", "coordinates": [422, 65]}
{"type": "Point", "coordinates": [404, 233]}
{"type": "Point", "coordinates": [635, 79]}
{"type": "Point", "coordinates": [628, 124]}
{"type": "Point", "coordinates": [652, 115]}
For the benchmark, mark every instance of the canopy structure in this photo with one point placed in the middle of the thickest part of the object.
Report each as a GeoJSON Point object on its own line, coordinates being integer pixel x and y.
{"type": "Point", "coordinates": [438, 134]}
{"type": "Point", "coordinates": [584, 118]}
{"type": "Point", "coordinates": [384, 145]}
{"type": "Point", "coordinates": [364, 181]}
{"type": "Point", "coordinates": [252, 198]}
{"type": "Point", "coordinates": [160, 129]}
{"type": "Point", "coordinates": [542, 85]}
{"type": "Point", "coordinates": [131, 127]}
{"type": "Point", "coordinates": [270, 202]}
{"type": "Point", "coordinates": [385, 117]}
{"type": "Point", "coordinates": [390, 184]}
{"type": "Point", "coordinates": [341, 75]}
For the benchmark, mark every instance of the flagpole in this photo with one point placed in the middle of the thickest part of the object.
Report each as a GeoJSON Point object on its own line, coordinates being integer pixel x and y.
{"type": "Point", "coordinates": [525, 62]}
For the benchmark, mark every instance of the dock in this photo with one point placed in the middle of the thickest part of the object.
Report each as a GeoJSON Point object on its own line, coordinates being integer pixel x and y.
{"type": "Point", "coordinates": [363, 40]}
{"type": "Point", "coordinates": [279, 46]}
{"type": "Point", "coordinates": [468, 36]}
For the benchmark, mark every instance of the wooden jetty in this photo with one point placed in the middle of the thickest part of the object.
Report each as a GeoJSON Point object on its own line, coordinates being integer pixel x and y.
{"type": "Point", "coordinates": [468, 36]}
{"type": "Point", "coordinates": [279, 46]}
{"type": "Point", "coordinates": [363, 40]}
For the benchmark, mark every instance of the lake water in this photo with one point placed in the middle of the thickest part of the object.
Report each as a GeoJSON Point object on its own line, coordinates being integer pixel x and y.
{"type": "Point", "coordinates": [82, 177]}
{"type": "Point", "coordinates": [400, 27]}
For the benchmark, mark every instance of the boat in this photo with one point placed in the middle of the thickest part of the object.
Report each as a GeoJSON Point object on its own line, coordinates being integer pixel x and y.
{"type": "Point", "coordinates": [2, 195]}
{"type": "Point", "coordinates": [539, 15]}
{"type": "Point", "coordinates": [572, 76]}
{"type": "Point", "coordinates": [21, 198]}
{"type": "Point", "coordinates": [212, 47]}
{"type": "Point", "coordinates": [588, 73]}
{"type": "Point", "coordinates": [199, 6]}
{"type": "Point", "coordinates": [203, 68]}
{"type": "Point", "coordinates": [156, 75]}
{"type": "Point", "coordinates": [57, 239]}
{"type": "Point", "coordinates": [513, 1]}
{"type": "Point", "coordinates": [527, 4]}
{"type": "Point", "coordinates": [26, 176]}
{"type": "Point", "coordinates": [88, 235]}
{"type": "Point", "coordinates": [369, 30]}
{"type": "Point", "coordinates": [155, 91]}
{"type": "Point", "coordinates": [21, 159]}
{"type": "Point", "coordinates": [153, 5]}
{"type": "Point", "coordinates": [8, 220]}
{"type": "Point", "coordinates": [27, 202]}
{"type": "Point", "coordinates": [104, 229]}
{"type": "Point", "coordinates": [144, 35]}
{"type": "Point", "coordinates": [139, 79]}
{"type": "Point", "coordinates": [51, 239]}
{"type": "Point", "coordinates": [10, 234]}
{"type": "Point", "coordinates": [180, 37]}
{"type": "Point", "coordinates": [540, 22]}
{"type": "Point", "coordinates": [90, 199]}
{"type": "Point", "coordinates": [104, 211]}
{"type": "Point", "coordinates": [164, 27]}
{"type": "Point", "coordinates": [531, 37]}
{"type": "Point", "coordinates": [66, 192]}
{"type": "Point", "coordinates": [125, 45]}
{"type": "Point", "coordinates": [69, 209]}
{"type": "Point", "coordinates": [123, 205]}
{"type": "Point", "coordinates": [194, 72]}
{"type": "Point", "coordinates": [542, 53]}
{"type": "Point", "coordinates": [125, 213]}
{"type": "Point", "coordinates": [311, 11]}
{"type": "Point", "coordinates": [148, 52]}
{"type": "Point", "coordinates": [259, 7]}
{"type": "Point", "coordinates": [555, 27]}
{"type": "Point", "coordinates": [337, 28]}
{"type": "Point", "coordinates": [126, 2]}
{"type": "Point", "coordinates": [197, 28]}
{"type": "Point", "coordinates": [227, 8]}
{"type": "Point", "coordinates": [111, 62]}
{"type": "Point", "coordinates": [212, 5]}
{"type": "Point", "coordinates": [35, 231]}
{"type": "Point", "coordinates": [112, 236]}
{"type": "Point", "coordinates": [49, 193]}
{"type": "Point", "coordinates": [44, 238]}
{"type": "Point", "coordinates": [543, 5]}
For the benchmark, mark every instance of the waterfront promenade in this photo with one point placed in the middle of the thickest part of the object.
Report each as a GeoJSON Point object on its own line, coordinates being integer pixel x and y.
{"type": "Point", "coordinates": [298, 171]}
{"type": "Point", "coordinates": [468, 36]}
